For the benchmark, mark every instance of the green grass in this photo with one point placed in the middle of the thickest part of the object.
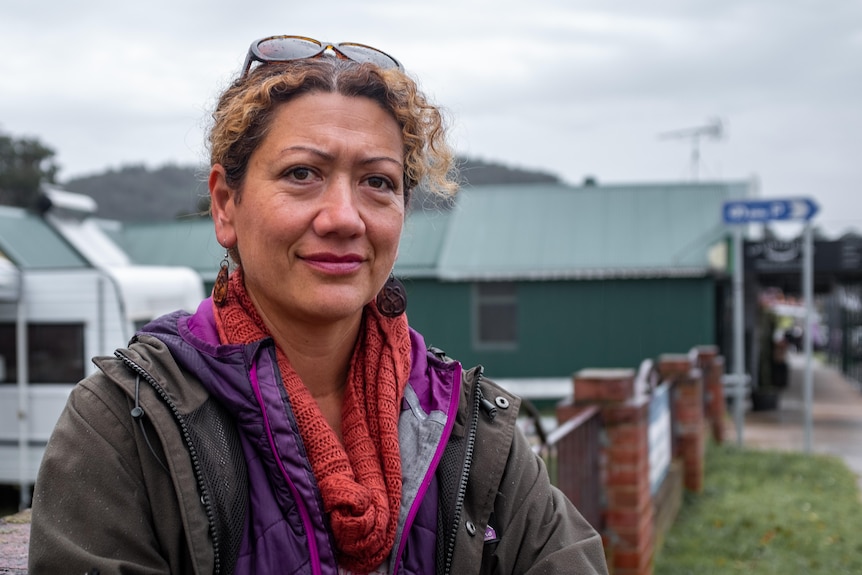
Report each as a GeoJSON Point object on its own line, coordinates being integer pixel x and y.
{"type": "Point", "coordinates": [764, 512]}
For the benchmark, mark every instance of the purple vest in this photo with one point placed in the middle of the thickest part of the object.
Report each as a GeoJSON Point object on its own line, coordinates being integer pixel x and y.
{"type": "Point", "coordinates": [286, 530]}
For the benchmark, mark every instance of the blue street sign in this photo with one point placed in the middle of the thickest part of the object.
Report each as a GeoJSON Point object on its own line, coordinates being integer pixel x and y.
{"type": "Point", "coordinates": [748, 211]}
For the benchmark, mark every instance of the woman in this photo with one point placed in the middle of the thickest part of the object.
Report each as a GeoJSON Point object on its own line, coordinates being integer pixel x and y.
{"type": "Point", "coordinates": [295, 423]}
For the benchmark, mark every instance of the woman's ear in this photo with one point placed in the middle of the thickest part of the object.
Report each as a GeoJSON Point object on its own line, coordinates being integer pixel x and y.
{"type": "Point", "coordinates": [223, 206]}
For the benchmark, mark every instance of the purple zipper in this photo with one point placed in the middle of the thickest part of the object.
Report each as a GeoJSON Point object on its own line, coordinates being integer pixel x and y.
{"type": "Point", "coordinates": [303, 512]}
{"type": "Point", "coordinates": [438, 454]}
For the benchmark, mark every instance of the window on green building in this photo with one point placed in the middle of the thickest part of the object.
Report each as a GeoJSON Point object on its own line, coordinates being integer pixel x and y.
{"type": "Point", "coordinates": [495, 315]}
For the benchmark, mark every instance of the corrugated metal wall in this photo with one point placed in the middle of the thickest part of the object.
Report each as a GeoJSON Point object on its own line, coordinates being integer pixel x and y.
{"type": "Point", "coordinates": [564, 326]}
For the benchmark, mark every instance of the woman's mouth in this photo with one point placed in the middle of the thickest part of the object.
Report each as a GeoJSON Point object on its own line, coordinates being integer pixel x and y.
{"type": "Point", "coordinates": [333, 263]}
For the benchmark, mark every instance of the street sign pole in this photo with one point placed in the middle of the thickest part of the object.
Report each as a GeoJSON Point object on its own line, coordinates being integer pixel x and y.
{"type": "Point", "coordinates": [738, 212]}
{"type": "Point", "coordinates": [738, 335]}
{"type": "Point", "coordinates": [807, 291]}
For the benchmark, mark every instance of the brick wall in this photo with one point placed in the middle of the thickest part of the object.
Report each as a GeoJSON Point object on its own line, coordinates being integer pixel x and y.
{"type": "Point", "coordinates": [688, 415]}
{"type": "Point", "coordinates": [697, 405]}
{"type": "Point", "coordinates": [629, 522]}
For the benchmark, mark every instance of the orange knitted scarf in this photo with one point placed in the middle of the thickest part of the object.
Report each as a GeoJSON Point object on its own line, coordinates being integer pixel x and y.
{"type": "Point", "coordinates": [360, 482]}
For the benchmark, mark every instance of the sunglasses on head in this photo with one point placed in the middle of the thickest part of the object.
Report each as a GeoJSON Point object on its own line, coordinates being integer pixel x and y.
{"type": "Point", "coordinates": [287, 48]}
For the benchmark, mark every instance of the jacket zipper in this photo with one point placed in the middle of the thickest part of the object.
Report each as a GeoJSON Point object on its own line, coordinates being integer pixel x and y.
{"type": "Point", "coordinates": [205, 498]}
{"type": "Point", "coordinates": [468, 463]}
{"type": "Point", "coordinates": [300, 503]}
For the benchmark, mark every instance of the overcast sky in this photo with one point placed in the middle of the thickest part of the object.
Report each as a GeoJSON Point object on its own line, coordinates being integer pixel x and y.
{"type": "Point", "coordinates": [573, 87]}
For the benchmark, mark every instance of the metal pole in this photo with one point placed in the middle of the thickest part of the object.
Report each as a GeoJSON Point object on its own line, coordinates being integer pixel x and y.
{"type": "Point", "coordinates": [738, 334]}
{"type": "Point", "coordinates": [21, 357]}
{"type": "Point", "coordinates": [807, 290]}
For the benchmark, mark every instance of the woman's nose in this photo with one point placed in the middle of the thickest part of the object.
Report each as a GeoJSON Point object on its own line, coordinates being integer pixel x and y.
{"type": "Point", "coordinates": [339, 212]}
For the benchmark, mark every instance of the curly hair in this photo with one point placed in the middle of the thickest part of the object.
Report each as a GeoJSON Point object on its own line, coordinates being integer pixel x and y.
{"type": "Point", "coordinates": [244, 112]}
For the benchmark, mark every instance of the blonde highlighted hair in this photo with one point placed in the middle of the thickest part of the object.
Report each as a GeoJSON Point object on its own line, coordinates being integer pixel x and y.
{"type": "Point", "coordinates": [245, 110]}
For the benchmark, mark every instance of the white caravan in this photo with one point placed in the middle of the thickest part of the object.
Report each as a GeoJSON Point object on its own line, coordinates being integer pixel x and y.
{"type": "Point", "coordinates": [67, 293]}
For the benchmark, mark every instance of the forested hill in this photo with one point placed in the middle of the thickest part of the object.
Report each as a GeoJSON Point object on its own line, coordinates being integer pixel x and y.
{"type": "Point", "coordinates": [136, 193]}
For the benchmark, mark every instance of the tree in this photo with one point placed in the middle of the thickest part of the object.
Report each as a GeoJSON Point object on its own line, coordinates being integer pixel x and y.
{"type": "Point", "coordinates": [25, 163]}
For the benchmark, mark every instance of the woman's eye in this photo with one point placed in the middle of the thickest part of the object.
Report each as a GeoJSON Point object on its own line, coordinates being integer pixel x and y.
{"type": "Point", "coordinates": [379, 183]}
{"type": "Point", "coordinates": [300, 174]}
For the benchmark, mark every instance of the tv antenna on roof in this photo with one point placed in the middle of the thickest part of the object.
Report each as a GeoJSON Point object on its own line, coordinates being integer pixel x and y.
{"type": "Point", "coordinates": [714, 129]}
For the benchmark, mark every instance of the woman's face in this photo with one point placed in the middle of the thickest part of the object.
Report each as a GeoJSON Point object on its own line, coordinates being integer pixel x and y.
{"type": "Point", "coordinates": [319, 218]}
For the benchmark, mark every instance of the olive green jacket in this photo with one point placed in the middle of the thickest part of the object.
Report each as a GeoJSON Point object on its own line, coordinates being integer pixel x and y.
{"type": "Point", "coordinates": [103, 498]}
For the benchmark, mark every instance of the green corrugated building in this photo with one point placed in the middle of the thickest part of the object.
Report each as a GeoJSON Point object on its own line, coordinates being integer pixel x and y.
{"type": "Point", "coordinates": [543, 280]}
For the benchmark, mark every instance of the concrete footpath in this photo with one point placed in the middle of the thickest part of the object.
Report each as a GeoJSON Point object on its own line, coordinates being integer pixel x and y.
{"type": "Point", "coordinates": [836, 415]}
{"type": "Point", "coordinates": [14, 536]}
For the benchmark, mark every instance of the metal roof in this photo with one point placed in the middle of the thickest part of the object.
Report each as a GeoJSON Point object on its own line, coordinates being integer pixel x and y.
{"type": "Point", "coordinates": [30, 243]}
{"type": "Point", "coordinates": [188, 242]}
{"type": "Point", "coordinates": [554, 231]}
{"type": "Point", "coordinates": [193, 243]}
{"type": "Point", "coordinates": [515, 231]}
{"type": "Point", "coordinates": [421, 242]}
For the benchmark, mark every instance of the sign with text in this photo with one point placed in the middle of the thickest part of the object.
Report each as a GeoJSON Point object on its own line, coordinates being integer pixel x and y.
{"type": "Point", "coordinates": [775, 210]}
{"type": "Point", "coordinates": [659, 436]}
{"type": "Point", "coordinates": [841, 257]}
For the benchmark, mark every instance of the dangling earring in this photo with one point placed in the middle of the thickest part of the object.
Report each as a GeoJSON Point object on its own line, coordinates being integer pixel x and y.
{"type": "Point", "coordinates": [392, 299]}
{"type": "Point", "coordinates": [220, 287]}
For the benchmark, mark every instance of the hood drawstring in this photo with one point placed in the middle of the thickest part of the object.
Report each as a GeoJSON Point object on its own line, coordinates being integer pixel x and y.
{"type": "Point", "coordinates": [137, 414]}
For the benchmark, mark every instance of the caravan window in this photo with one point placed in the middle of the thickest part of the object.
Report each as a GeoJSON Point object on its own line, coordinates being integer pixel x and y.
{"type": "Point", "coordinates": [55, 352]}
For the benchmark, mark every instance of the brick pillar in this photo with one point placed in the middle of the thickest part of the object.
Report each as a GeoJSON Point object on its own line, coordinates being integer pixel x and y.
{"type": "Point", "coordinates": [688, 416]}
{"type": "Point", "coordinates": [629, 525]}
{"type": "Point", "coordinates": [712, 366]}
